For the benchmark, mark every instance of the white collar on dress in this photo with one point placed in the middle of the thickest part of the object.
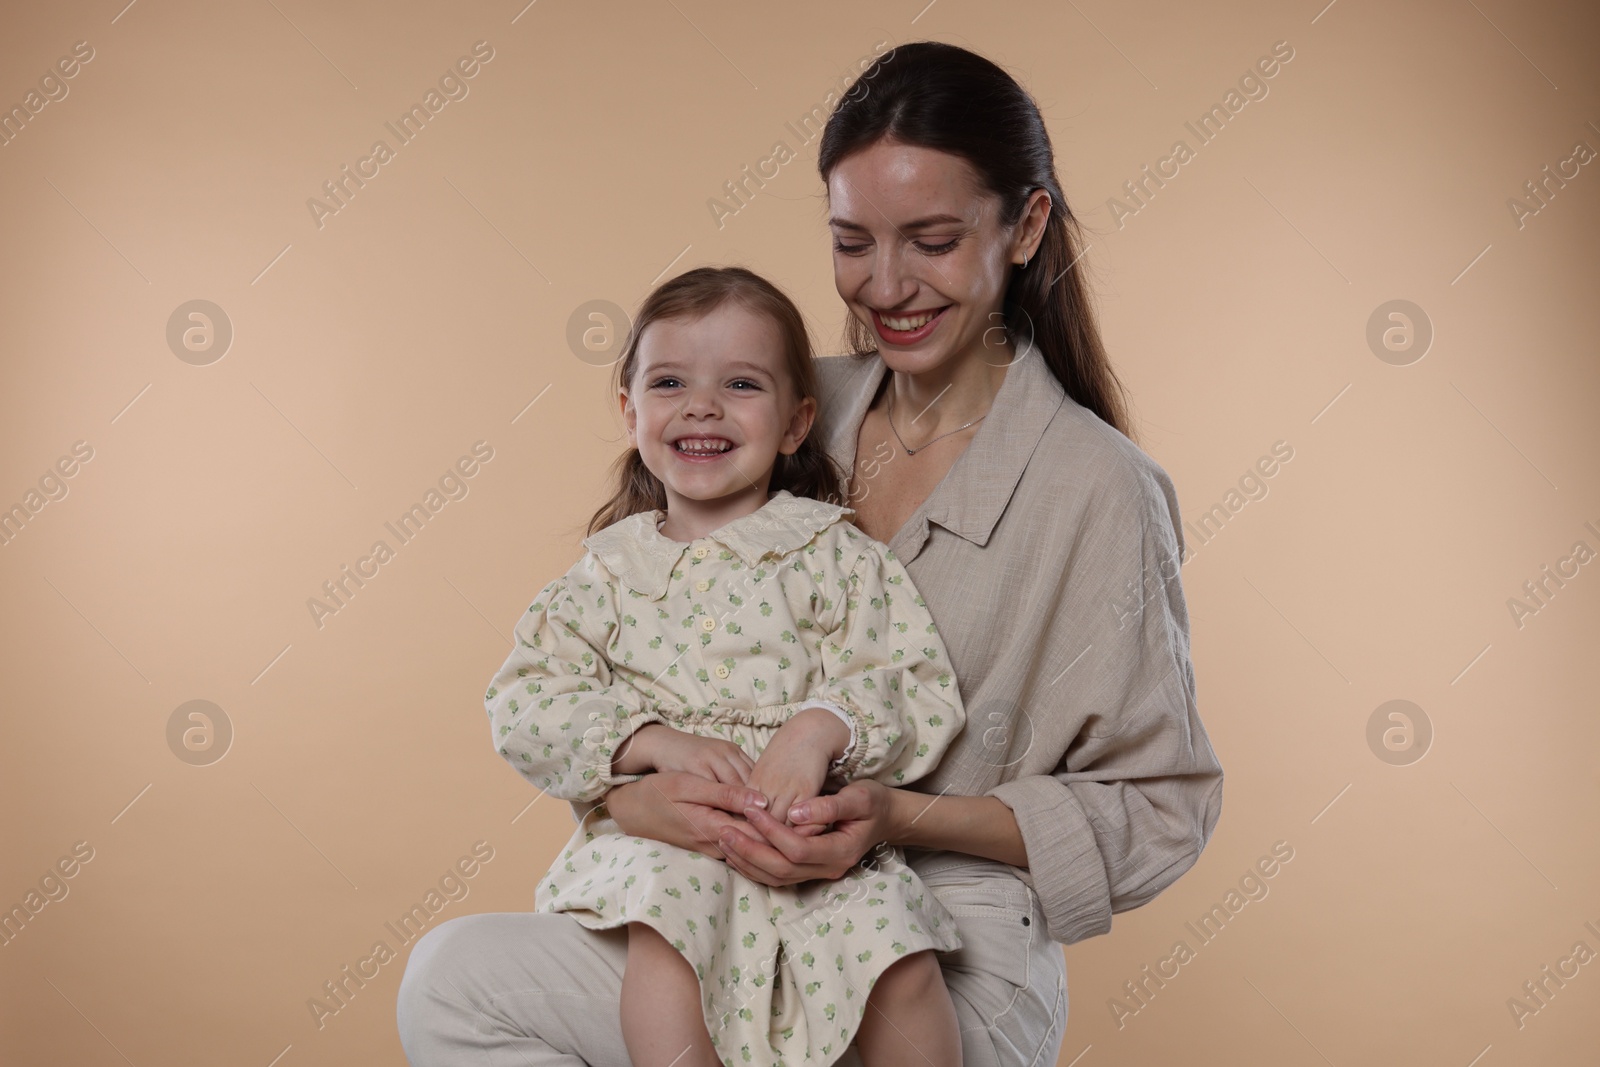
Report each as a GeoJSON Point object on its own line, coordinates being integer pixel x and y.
{"type": "Point", "coordinates": [638, 553]}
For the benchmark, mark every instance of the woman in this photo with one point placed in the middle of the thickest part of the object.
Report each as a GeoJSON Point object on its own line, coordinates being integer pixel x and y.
{"type": "Point", "coordinates": [1046, 545]}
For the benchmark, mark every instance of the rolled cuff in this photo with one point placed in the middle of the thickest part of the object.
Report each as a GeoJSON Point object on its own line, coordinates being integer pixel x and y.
{"type": "Point", "coordinates": [1065, 867]}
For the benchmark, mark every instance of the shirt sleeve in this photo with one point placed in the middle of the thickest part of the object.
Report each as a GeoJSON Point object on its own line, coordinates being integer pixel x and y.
{"type": "Point", "coordinates": [886, 666]}
{"type": "Point", "coordinates": [556, 709]}
{"type": "Point", "coordinates": [1137, 792]}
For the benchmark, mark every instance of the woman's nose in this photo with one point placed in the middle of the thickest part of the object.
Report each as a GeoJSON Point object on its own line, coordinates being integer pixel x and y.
{"type": "Point", "coordinates": [889, 285]}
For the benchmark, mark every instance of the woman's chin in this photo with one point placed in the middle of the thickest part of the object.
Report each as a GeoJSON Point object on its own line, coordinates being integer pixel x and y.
{"type": "Point", "coordinates": [915, 361]}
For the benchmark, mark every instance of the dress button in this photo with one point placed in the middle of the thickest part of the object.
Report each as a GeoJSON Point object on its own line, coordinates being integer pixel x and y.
{"type": "Point", "coordinates": [702, 552]}
{"type": "Point", "coordinates": [702, 585]}
{"type": "Point", "coordinates": [722, 670]}
{"type": "Point", "coordinates": [708, 624]}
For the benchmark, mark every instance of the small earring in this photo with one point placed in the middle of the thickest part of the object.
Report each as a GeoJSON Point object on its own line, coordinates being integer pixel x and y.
{"type": "Point", "coordinates": [1024, 261]}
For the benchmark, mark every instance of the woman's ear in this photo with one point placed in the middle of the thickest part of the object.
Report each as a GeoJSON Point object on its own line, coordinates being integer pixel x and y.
{"type": "Point", "coordinates": [805, 414]}
{"type": "Point", "coordinates": [1030, 229]}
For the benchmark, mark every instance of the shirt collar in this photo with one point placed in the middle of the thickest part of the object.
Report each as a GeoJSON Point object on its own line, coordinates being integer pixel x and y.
{"type": "Point", "coordinates": [972, 496]}
{"type": "Point", "coordinates": [639, 555]}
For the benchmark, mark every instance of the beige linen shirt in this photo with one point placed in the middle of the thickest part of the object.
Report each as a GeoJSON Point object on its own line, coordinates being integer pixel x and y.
{"type": "Point", "coordinates": [1049, 556]}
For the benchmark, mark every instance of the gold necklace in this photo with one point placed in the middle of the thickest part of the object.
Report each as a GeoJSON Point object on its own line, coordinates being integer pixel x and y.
{"type": "Point", "coordinates": [925, 444]}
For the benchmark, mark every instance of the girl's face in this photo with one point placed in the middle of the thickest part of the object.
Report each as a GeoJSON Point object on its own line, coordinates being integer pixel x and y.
{"type": "Point", "coordinates": [711, 407]}
{"type": "Point", "coordinates": [920, 255]}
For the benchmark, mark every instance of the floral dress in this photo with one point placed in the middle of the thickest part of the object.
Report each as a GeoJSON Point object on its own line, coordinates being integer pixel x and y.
{"type": "Point", "coordinates": [724, 636]}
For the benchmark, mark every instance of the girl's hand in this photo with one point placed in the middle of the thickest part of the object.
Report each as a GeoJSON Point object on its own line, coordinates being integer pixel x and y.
{"type": "Point", "coordinates": [709, 757]}
{"type": "Point", "coordinates": [792, 768]}
{"type": "Point", "coordinates": [682, 809]}
{"type": "Point", "coordinates": [864, 813]}
{"type": "Point", "coordinates": [794, 764]}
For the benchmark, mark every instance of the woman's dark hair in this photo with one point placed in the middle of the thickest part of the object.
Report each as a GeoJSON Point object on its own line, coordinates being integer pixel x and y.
{"type": "Point", "coordinates": [940, 96]}
{"type": "Point", "coordinates": [808, 472]}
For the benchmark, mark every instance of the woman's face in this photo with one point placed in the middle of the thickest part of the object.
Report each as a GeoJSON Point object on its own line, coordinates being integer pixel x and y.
{"type": "Point", "coordinates": [920, 255]}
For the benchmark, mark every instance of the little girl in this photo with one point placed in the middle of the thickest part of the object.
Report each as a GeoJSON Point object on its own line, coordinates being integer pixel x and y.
{"type": "Point", "coordinates": [728, 622]}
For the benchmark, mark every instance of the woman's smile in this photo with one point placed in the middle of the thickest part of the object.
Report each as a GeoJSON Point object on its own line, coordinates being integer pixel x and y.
{"type": "Point", "coordinates": [908, 327]}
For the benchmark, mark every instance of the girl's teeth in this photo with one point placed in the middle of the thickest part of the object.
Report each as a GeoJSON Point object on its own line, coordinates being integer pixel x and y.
{"type": "Point", "coordinates": [703, 448]}
{"type": "Point", "coordinates": [913, 323]}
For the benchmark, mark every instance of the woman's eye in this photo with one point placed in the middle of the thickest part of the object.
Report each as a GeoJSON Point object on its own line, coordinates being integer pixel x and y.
{"type": "Point", "coordinates": [936, 250]}
{"type": "Point", "coordinates": [849, 250]}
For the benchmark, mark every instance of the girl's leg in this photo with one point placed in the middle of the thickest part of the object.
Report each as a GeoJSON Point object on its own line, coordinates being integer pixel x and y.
{"type": "Point", "coordinates": [911, 1019]}
{"type": "Point", "coordinates": [661, 1019]}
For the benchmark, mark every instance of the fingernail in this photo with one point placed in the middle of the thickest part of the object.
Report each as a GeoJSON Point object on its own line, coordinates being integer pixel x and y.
{"type": "Point", "coordinates": [759, 801]}
{"type": "Point", "coordinates": [799, 813]}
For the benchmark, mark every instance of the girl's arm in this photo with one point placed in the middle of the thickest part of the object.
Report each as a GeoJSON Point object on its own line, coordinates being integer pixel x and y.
{"type": "Point", "coordinates": [886, 666]}
{"type": "Point", "coordinates": [556, 710]}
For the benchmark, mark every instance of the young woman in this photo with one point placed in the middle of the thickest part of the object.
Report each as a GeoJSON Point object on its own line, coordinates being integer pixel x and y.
{"type": "Point", "coordinates": [988, 447]}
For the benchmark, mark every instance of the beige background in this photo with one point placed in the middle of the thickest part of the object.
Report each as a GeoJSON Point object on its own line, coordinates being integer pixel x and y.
{"type": "Point", "coordinates": [432, 310]}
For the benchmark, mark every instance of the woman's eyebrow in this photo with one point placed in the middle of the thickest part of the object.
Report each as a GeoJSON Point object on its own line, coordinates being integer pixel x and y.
{"type": "Point", "coordinates": [915, 224]}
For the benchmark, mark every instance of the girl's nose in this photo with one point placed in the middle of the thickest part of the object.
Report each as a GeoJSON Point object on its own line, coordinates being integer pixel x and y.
{"type": "Point", "coordinates": [701, 401]}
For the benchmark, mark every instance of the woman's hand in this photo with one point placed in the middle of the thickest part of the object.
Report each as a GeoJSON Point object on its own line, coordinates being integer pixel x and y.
{"type": "Point", "coordinates": [682, 809]}
{"type": "Point", "coordinates": [864, 815]}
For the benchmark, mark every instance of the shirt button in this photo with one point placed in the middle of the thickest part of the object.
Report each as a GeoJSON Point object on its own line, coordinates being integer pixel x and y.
{"type": "Point", "coordinates": [722, 670]}
{"type": "Point", "coordinates": [702, 552]}
{"type": "Point", "coordinates": [702, 585]}
{"type": "Point", "coordinates": [708, 625]}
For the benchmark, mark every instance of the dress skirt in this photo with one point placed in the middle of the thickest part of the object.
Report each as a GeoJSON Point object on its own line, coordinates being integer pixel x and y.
{"type": "Point", "coordinates": [784, 971]}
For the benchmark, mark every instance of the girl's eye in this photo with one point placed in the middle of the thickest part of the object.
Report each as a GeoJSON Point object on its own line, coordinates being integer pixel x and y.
{"type": "Point", "coordinates": [747, 381]}
{"type": "Point", "coordinates": [667, 382]}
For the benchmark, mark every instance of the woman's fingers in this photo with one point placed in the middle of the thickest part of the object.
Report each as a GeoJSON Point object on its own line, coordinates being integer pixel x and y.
{"type": "Point", "coordinates": [744, 855]}
{"type": "Point", "coordinates": [791, 845]}
{"type": "Point", "coordinates": [836, 807]}
{"type": "Point", "coordinates": [725, 771]}
{"type": "Point", "coordinates": [698, 789]}
{"type": "Point", "coordinates": [732, 858]}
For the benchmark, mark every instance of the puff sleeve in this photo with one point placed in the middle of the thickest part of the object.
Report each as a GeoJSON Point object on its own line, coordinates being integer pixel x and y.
{"type": "Point", "coordinates": [884, 663]}
{"type": "Point", "coordinates": [556, 709]}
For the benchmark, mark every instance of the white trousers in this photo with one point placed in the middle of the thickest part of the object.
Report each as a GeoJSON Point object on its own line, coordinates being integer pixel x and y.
{"type": "Point", "coordinates": [528, 989]}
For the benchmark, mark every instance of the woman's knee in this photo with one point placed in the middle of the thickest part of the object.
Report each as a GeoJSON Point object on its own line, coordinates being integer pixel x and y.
{"type": "Point", "coordinates": [439, 958]}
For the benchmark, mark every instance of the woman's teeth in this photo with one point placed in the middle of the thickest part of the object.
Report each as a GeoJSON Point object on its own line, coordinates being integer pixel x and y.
{"type": "Point", "coordinates": [909, 323]}
{"type": "Point", "coordinates": [703, 446]}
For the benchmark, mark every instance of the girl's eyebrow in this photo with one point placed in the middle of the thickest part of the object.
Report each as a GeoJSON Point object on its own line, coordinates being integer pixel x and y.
{"type": "Point", "coordinates": [915, 224]}
{"type": "Point", "coordinates": [738, 364]}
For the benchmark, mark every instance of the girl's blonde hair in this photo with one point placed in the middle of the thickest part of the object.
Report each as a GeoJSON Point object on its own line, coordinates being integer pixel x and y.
{"type": "Point", "coordinates": [808, 472]}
